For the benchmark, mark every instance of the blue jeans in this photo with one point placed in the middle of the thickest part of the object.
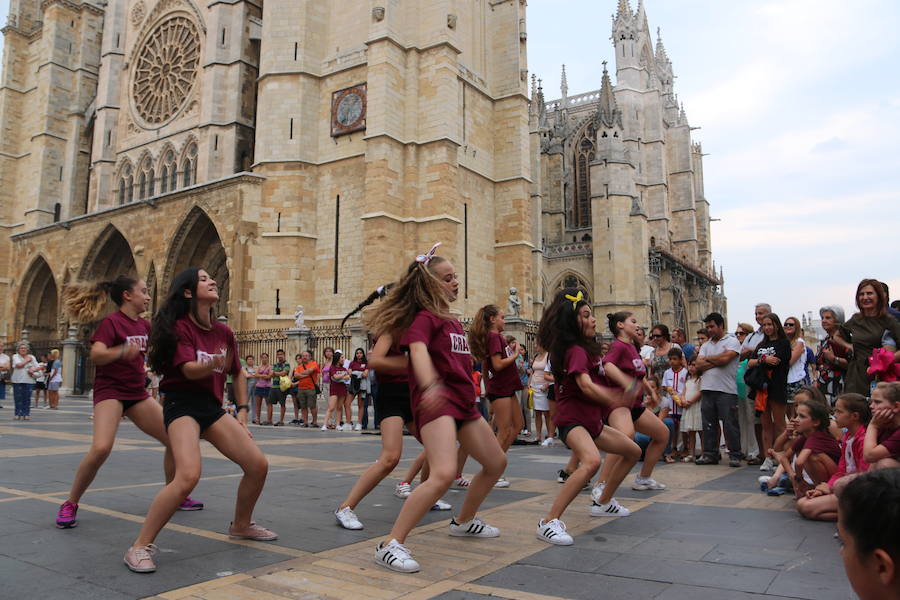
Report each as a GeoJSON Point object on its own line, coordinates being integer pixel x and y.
{"type": "Point", "coordinates": [644, 440]}
{"type": "Point", "coordinates": [2, 390]}
{"type": "Point", "coordinates": [22, 397]}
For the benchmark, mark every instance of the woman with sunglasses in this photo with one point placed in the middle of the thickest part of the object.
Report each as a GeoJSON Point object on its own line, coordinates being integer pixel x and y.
{"type": "Point", "coordinates": [797, 375]}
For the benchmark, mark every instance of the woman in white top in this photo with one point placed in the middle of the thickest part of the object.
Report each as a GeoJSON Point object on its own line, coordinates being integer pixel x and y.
{"type": "Point", "coordinates": [40, 381]}
{"type": "Point", "coordinates": [24, 365]}
{"type": "Point", "coordinates": [539, 386]}
{"type": "Point", "coordinates": [797, 373]}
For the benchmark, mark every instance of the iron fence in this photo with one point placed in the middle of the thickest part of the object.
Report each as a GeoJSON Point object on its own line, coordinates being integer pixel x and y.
{"type": "Point", "coordinates": [258, 341]}
{"type": "Point", "coordinates": [324, 336]}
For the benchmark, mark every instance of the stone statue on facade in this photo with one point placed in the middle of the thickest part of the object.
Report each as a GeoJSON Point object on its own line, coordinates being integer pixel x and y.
{"type": "Point", "coordinates": [298, 317]}
{"type": "Point", "coordinates": [513, 303]}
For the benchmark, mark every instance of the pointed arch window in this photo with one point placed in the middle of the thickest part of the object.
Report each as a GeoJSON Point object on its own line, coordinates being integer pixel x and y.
{"type": "Point", "coordinates": [581, 205]}
{"type": "Point", "coordinates": [168, 178]}
{"type": "Point", "coordinates": [146, 179]}
{"type": "Point", "coordinates": [189, 166]}
{"type": "Point", "coordinates": [126, 185]}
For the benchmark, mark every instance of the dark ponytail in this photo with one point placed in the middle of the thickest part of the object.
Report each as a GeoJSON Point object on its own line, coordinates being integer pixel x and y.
{"type": "Point", "coordinates": [163, 338]}
{"type": "Point", "coordinates": [85, 302]}
{"type": "Point", "coordinates": [616, 318]}
{"type": "Point", "coordinates": [380, 292]}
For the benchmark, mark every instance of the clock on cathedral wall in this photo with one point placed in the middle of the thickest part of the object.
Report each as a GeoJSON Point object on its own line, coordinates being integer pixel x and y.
{"type": "Point", "coordinates": [348, 110]}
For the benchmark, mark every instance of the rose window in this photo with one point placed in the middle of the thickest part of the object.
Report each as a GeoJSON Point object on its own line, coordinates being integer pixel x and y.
{"type": "Point", "coordinates": [165, 70]}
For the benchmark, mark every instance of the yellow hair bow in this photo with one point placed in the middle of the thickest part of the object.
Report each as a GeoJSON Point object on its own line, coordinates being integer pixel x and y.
{"type": "Point", "coordinates": [575, 299]}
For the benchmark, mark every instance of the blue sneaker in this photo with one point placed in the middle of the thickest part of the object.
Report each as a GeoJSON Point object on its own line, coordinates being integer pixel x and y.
{"type": "Point", "coordinates": [777, 491]}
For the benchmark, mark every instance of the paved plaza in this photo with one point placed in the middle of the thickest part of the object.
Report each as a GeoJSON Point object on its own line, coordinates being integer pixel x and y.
{"type": "Point", "coordinates": [709, 536]}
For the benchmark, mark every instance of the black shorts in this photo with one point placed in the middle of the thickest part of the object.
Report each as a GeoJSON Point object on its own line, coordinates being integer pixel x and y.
{"type": "Point", "coordinates": [276, 396]}
{"type": "Point", "coordinates": [393, 401]}
{"type": "Point", "coordinates": [564, 430]}
{"type": "Point", "coordinates": [636, 413]}
{"type": "Point", "coordinates": [40, 385]}
{"type": "Point", "coordinates": [205, 409]}
{"type": "Point", "coordinates": [126, 404]}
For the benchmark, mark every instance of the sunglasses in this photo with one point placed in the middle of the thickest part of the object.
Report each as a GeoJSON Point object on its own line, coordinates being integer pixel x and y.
{"type": "Point", "coordinates": [740, 333]}
{"type": "Point", "coordinates": [790, 324]}
{"type": "Point", "coordinates": [653, 336]}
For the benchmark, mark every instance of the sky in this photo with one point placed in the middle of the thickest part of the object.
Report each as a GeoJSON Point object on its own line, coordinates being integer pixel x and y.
{"type": "Point", "coordinates": [798, 105]}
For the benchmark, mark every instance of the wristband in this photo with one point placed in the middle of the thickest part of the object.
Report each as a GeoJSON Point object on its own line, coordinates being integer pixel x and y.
{"type": "Point", "coordinates": [241, 407]}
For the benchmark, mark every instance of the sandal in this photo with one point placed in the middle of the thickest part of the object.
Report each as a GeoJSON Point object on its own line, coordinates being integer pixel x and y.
{"type": "Point", "coordinates": [754, 461]}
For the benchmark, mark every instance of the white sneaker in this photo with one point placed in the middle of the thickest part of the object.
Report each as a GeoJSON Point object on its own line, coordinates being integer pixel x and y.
{"type": "Point", "coordinates": [548, 442]}
{"type": "Point", "coordinates": [324, 428]}
{"type": "Point", "coordinates": [598, 491]}
{"type": "Point", "coordinates": [358, 427]}
{"type": "Point", "coordinates": [346, 518]}
{"type": "Point", "coordinates": [461, 483]}
{"type": "Point", "coordinates": [474, 528]}
{"type": "Point", "coordinates": [396, 557]}
{"type": "Point", "coordinates": [642, 484]}
{"type": "Point", "coordinates": [764, 479]}
{"type": "Point", "coordinates": [441, 505]}
{"type": "Point", "coordinates": [503, 482]}
{"type": "Point", "coordinates": [554, 532]}
{"type": "Point", "coordinates": [767, 465]}
{"type": "Point", "coordinates": [610, 509]}
{"type": "Point", "coordinates": [402, 490]}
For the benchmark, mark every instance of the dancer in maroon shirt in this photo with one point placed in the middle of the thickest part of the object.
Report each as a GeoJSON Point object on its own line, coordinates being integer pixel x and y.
{"type": "Point", "coordinates": [194, 353]}
{"type": "Point", "coordinates": [568, 331]}
{"type": "Point", "coordinates": [502, 377]}
{"type": "Point", "coordinates": [117, 349]}
{"type": "Point", "coordinates": [417, 313]}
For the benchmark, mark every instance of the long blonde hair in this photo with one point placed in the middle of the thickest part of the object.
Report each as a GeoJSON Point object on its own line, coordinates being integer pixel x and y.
{"type": "Point", "coordinates": [85, 302]}
{"type": "Point", "coordinates": [417, 290]}
{"type": "Point", "coordinates": [480, 329]}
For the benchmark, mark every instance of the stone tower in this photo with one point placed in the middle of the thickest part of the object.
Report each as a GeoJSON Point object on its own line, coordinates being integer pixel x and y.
{"type": "Point", "coordinates": [624, 212]}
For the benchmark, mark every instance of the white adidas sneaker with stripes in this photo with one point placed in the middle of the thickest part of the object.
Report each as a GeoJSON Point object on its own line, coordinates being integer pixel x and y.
{"type": "Point", "coordinates": [474, 528]}
{"type": "Point", "coordinates": [610, 509]}
{"type": "Point", "coordinates": [396, 557]}
{"type": "Point", "coordinates": [554, 532]}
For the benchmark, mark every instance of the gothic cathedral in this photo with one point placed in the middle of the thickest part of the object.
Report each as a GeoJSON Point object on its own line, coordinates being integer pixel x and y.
{"type": "Point", "coordinates": [304, 151]}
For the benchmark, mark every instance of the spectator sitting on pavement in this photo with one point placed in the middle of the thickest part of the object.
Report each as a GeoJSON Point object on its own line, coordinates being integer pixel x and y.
{"type": "Point", "coordinates": [868, 521]}
{"type": "Point", "coordinates": [882, 446]}
{"type": "Point", "coordinates": [852, 413]}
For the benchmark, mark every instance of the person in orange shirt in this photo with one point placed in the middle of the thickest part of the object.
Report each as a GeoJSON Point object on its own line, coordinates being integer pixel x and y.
{"type": "Point", "coordinates": [305, 377]}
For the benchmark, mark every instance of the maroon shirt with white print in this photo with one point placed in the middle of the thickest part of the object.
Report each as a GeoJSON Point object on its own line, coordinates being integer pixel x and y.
{"type": "Point", "coordinates": [199, 345]}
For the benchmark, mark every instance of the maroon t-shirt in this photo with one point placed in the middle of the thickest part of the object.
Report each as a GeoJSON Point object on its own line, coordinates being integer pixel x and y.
{"type": "Point", "coordinates": [121, 379]}
{"type": "Point", "coordinates": [819, 442]}
{"type": "Point", "coordinates": [198, 345]}
{"type": "Point", "coordinates": [338, 388]}
{"type": "Point", "coordinates": [449, 351]}
{"type": "Point", "coordinates": [626, 357]}
{"type": "Point", "coordinates": [572, 406]}
{"type": "Point", "coordinates": [506, 382]}
{"type": "Point", "coordinates": [890, 439]}
{"type": "Point", "coordinates": [388, 378]}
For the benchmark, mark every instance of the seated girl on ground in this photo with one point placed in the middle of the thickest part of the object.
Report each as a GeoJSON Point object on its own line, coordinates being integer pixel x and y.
{"type": "Point", "coordinates": [852, 414]}
{"type": "Point", "coordinates": [882, 445]}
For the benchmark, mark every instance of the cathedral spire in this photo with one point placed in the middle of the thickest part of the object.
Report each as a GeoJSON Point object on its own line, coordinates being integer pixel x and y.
{"type": "Point", "coordinates": [564, 84]}
{"type": "Point", "coordinates": [661, 55]}
{"type": "Point", "coordinates": [533, 106]}
{"type": "Point", "coordinates": [608, 113]}
{"type": "Point", "coordinates": [641, 17]}
{"type": "Point", "coordinates": [624, 10]}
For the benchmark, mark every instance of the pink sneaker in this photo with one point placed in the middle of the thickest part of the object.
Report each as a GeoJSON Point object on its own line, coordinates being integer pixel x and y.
{"type": "Point", "coordinates": [253, 532]}
{"type": "Point", "coordinates": [189, 504]}
{"type": "Point", "coordinates": [65, 516]}
{"type": "Point", "coordinates": [140, 559]}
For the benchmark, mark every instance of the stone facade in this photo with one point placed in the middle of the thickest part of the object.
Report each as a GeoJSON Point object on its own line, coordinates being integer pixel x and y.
{"type": "Point", "coordinates": [624, 214]}
{"type": "Point", "coordinates": [144, 136]}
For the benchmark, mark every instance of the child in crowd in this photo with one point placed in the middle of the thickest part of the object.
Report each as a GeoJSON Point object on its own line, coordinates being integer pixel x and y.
{"type": "Point", "coordinates": [813, 394]}
{"type": "Point", "coordinates": [812, 458]}
{"type": "Point", "coordinates": [851, 414]}
{"type": "Point", "coordinates": [868, 521]}
{"type": "Point", "coordinates": [882, 444]}
{"type": "Point", "coordinates": [691, 420]}
{"type": "Point", "coordinates": [673, 385]}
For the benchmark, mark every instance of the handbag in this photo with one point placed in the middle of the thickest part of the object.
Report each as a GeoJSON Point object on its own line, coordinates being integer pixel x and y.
{"type": "Point", "coordinates": [284, 383]}
{"type": "Point", "coordinates": [755, 378]}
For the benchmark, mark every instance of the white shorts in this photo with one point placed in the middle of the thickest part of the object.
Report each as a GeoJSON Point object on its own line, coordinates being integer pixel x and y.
{"type": "Point", "coordinates": [540, 400]}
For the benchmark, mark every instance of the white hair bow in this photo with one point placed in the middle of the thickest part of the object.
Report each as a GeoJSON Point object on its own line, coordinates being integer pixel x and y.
{"type": "Point", "coordinates": [426, 258]}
